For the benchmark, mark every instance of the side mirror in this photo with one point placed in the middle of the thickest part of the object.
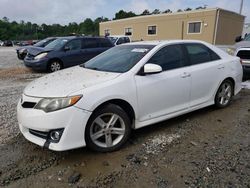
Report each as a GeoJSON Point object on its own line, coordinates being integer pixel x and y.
{"type": "Point", "coordinates": [66, 48]}
{"type": "Point", "coordinates": [151, 68]}
{"type": "Point", "coordinates": [238, 39]}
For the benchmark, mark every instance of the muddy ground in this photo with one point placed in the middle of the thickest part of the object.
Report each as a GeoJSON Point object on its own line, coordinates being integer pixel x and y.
{"type": "Point", "coordinates": [205, 148]}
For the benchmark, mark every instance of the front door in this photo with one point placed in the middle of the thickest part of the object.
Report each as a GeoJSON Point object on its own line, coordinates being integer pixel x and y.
{"type": "Point", "coordinates": [166, 92]}
{"type": "Point", "coordinates": [72, 54]}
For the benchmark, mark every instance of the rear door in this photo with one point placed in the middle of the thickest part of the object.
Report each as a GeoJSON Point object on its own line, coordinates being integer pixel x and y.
{"type": "Point", "coordinates": [207, 70]}
{"type": "Point", "coordinates": [90, 48]}
{"type": "Point", "coordinates": [166, 92]}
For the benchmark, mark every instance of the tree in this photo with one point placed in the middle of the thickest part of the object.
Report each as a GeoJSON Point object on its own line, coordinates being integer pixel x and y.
{"type": "Point", "coordinates": [145, 12]}
{"type": "Point", "coordinates": [167, 11]}
{"type": "Point", "coordinates": [123, 14]}
{"type": "Point", "coordinates": [187, 9]}
{"type": "Point", "coordinates": [5, 19]}
{"type": "Point", "coordinates": [179, 10]}
{"type": "Point", "coordinates": [156, 11]}
{"type": "Point", "coordinates": [87, 27]}
{"type": "Point", "coordinates": [200, 7]}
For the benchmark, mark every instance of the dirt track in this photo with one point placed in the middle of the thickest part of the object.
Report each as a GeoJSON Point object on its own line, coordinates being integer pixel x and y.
{"type": "Point", "coordinates": [206, 148]}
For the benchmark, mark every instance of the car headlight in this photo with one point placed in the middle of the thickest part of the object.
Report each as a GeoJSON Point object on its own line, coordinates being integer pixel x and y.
{"type": "Point", "coordinates": [231, 51]}
{"type": "Point", "coordinates": [22, 50]}
{"type": "Point", "coordinates": [40, 56]}
{"type": "Point", "coordinates": [53, 104]}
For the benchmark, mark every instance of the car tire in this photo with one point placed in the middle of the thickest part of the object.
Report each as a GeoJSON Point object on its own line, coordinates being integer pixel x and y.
{"type": "Point", "coordinates": [54, 66]}
{"type": "Point", "coordinates": [224, 94]}
{"type": "Point", "coordinates": [108, 129]}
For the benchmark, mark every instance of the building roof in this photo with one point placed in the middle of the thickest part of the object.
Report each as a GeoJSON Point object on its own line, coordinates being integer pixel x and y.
{"type": "Point", "coordinates": [171, 14]}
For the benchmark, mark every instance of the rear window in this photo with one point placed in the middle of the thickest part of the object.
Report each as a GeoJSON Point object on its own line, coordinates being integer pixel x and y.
{"type": "Point", "coordinates": [244, 54]}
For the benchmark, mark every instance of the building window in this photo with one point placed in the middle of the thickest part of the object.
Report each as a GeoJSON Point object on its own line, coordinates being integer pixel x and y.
{"type": "Point", "coordinates": [151, 30]}
{"type": "Point", "coordinates": [107, 32]}
{"type": "Point", "coordinates": [128, 31]}
{"type": "Point", "coordinates": [194, 27]}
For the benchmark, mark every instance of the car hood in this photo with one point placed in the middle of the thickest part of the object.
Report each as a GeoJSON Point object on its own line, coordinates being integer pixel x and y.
{"type": "Point", "coordinates": [242, 44]}
{"type": "Point", "coordinates": [65, 82]}
{"type": "Point", "coordinates": [24, 47]}
{"type": "Point", "coordinates": [37, 50]}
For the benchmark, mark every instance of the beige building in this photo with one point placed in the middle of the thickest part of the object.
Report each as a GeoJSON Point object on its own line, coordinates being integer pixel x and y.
{"type": "Point", "coordinates": [216, 26]}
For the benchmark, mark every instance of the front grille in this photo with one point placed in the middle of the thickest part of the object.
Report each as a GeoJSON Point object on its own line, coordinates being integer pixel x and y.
{"type": "Point", "coordinates": [28, 104]}
{"type": "Point", "coordinates": [30, 56]}
{"type": "Point", "coordinates": [40, 134]}
{"type": "Point", "coordinates": [244, 54]}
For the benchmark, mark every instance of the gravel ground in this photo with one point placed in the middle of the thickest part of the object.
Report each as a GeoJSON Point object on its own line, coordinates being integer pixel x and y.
{"type": "Point", "coordinates": [206, 148]}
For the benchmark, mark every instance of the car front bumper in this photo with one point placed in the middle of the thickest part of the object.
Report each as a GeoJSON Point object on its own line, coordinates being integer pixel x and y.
{"type": "Point", "coordinates": [40, 64]}
{"type": "Point", "coordinates": [72, 119]}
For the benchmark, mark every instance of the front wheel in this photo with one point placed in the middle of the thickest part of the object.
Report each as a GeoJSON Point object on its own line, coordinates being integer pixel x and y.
{"type": "Point", "coordinates": [108, 129]}
{"type": "Point", "coordinates": [224, 94]}
{"type": "Point", "coordinates": [54, 66]}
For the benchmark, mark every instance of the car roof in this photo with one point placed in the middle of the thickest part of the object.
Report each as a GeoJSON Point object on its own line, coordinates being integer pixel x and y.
{"type": "Point", "coordinates": [80, 37]}
{"type": "Point", "coordinates": [118, 36]}
{"type": "Point", "coordinates": [163, 42]}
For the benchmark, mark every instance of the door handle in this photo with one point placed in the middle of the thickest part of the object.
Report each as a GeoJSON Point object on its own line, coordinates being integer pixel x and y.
{"type": "Point", "coordinates": [221, 66]}
{"type": "Point", "coordinates": [185, 75]}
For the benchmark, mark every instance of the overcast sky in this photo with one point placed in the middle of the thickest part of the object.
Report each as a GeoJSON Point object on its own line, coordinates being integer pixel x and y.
{"type": "Point", "coordinates": [65, 11]}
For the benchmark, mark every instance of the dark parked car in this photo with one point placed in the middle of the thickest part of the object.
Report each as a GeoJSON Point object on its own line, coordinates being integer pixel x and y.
{"type": "Point", "coordinates": [22, 51]}
{"type": "Point", "coordinates": [8, 43]}
{"type": "Point", "coordinates": [66, 52]}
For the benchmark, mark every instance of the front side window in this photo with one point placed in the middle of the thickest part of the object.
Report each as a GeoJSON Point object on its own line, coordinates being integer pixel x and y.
{"type": "Point", "coordinates": [151, 30]}
{"type": "Point", "coordinates": [128, 31]}
{"type": "Point", "coordinates": [194, 27]}
{"type": "Point", "coordinates": [199, 53]}
{"type": "Point", "coordinates": [118, 59]}
{"type": "Point", "coordinates": [74, 44]}
{"type": "Point", "coordinates": [169, 57]}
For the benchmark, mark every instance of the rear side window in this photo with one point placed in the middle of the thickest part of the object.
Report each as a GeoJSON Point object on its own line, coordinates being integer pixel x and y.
{"type": "Point", "coordinates": [90, 43]}
{"type": "Point", "coordinates": [199, 53]}
{"type": "Point", "coordinates": [169, 57]}
{"type": "Point", "coordinates": [105, 42]}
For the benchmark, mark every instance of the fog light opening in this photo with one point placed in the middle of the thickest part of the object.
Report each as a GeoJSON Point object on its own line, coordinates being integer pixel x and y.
{"type": "Point", "coordinates": [55, 135]}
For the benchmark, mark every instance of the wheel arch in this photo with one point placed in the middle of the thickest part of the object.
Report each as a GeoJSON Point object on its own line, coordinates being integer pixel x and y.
{"type": "Point", "coordinates": [55, 59]}
{"type": "Point", "coordinates": [126, 106]}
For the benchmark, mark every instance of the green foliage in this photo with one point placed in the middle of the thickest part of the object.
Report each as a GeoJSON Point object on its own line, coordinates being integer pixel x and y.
{"type": "Point", "coordinates": [31, 31]}
{"type": "Point", "coordinates": [123, 14]}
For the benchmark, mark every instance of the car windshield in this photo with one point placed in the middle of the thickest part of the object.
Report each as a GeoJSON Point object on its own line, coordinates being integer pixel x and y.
{"type": "Point", "coordinates": [56, 44]}
{"type": "Point", "coordinates": [113, 39]}
{"type": "Point", "coordinates": [247, 38]}
{"type": "Point", "coordinates": [40, 43]}
{"type": "Point", "coordinates": [118, 59]}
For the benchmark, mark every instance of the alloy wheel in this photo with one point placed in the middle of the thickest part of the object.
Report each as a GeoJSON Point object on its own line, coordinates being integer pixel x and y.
{"type": "Point", "coordinates": [107, 130]}
{"type": "Point", "coordinates": [225, 94]}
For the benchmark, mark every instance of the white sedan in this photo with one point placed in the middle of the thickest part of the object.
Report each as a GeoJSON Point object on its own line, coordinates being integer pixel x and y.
{"type": "Point", "coordinates": [127, 87]}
